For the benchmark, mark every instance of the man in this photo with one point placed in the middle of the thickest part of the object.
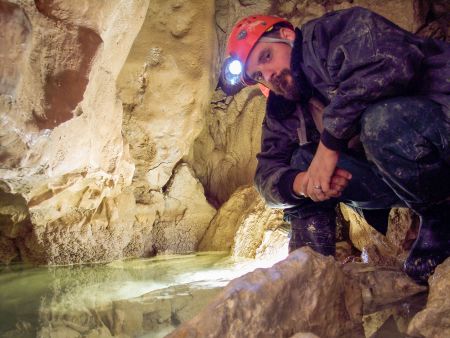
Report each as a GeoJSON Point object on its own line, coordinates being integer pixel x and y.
{"type": "Point", "coordinates": [358, 112]}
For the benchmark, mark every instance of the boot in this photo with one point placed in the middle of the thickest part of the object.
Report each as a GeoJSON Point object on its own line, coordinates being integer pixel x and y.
{"type": "Point", "coordinates": [432, 245]}
{"type": "Point", "coordinates": [317, 231]}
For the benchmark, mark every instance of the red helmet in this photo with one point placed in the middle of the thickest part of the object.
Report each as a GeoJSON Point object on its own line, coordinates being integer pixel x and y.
{"type": "Point", "coordinates": [244, 36]}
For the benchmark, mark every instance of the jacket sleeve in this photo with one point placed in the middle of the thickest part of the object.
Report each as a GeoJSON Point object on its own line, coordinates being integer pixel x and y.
{"type": "Point", "coordinates": [371, 60]}
{"type": "Point", "coordinates": [274, 176]}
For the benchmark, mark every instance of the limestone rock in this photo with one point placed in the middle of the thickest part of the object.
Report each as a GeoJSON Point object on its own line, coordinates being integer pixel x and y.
{"type": "Point", "coordinates": [434, 320]}
{"type": "Point", "coordinates": [221, 231]}
{"type": "Point", "coordinates": [246, 226]}
{"type": "Point", "coordinates": [381, 285]}
{"type": "Point", "coordinates": [393, 320]}
{"type": "Point", "coordinates": [377, 249]}
{"type": "Point", "coordinates": [224, 154]}
{"type": "Point", "coordinates": [304, 293]}
{"type": "Point", "coordinates": [256, 222]}
{"type": "Point", "coordinates": [274, 244]}
{"type": "Point", "coordinates": [165, 86]}
{"type": "Point", "coordinates": [304, 335]}
{"type": "Point", "coordinates": [186, 203]}
{"type": "Point", "coordinates": [73, 159]}
{"type": "Point", "coordinates": [67, 153]}
{"type": "Point", "coordinates": [344, 251]}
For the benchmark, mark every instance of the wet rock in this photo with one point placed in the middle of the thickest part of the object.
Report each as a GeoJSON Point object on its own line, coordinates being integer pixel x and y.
{"type": "Point", "coordinates": [274, 244]}
{"type": "Point", "coordinates": [155, 313]}
{"type": "Point", "coordinates": [304, 293]}
{"type": "Point", "coordinates": [434, 320]}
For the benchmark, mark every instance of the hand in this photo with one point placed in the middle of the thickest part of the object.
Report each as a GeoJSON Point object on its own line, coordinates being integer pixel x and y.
{"type": "Point", "coordinates": [339, 182]}
{"type": "Point", "coordinates": [322, 173]}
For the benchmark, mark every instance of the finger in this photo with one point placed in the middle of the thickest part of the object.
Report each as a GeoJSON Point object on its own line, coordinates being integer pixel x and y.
{"type": "Point", "coordinates": [334, 193]}
{"type": "Point", "coordinates": [323, 197]}
{"type": "Point", "coordinates": [318, 194]}
{"type": "Point", "coordinates": [336, 188]}
{"type": "Point", "coordinates": [325, 184]}
{"type": "Point", "coordinates": [338, 181]}
{"type": "Point", "coordinates": [311, 191]}
{"type": "Point", "coordinates": [304, 185]}
{"type": "Point", "coordinates": [343, 173]}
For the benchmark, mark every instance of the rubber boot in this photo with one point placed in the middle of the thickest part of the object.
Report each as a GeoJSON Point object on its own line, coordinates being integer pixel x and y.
{"type": "Point", "coordinates": [317, 231]}
{"type": "Point", "coordinates": [432, 245]}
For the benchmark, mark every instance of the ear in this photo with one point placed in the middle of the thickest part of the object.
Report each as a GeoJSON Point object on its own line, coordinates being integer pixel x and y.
{"type": "Point", "coordinates": [287, 33]}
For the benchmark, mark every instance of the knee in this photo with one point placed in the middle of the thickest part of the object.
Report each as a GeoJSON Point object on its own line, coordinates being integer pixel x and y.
{"type": "Point", "coordinates": [376, 124]}
{"type": "Point", "coordinates": [382, 123]}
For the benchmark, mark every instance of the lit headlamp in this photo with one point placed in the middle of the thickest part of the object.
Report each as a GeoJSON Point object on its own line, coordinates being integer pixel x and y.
{"type": "Point", "coordinates": [231, 77]}
{"type": "Point", "coordinates": [232, 71]}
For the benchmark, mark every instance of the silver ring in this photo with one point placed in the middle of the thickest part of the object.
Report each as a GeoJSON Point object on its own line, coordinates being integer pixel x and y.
{"type": "Point", "coordinates": [317, 187]}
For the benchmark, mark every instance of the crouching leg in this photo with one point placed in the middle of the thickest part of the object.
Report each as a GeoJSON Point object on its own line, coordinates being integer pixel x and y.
{"type": "Point", "coordinates": [408, 141]}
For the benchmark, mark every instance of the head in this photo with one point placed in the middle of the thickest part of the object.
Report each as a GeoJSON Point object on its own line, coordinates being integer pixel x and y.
{"type": "Point", "coordinates": [259, 51]}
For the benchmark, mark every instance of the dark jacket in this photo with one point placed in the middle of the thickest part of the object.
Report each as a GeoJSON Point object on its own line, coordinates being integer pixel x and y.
{"type": "Point", "coordinates": [349, 59]}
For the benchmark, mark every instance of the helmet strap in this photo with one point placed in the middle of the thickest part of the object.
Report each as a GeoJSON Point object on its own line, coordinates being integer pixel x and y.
{"type": "Point", "coordinates": [277, 40]}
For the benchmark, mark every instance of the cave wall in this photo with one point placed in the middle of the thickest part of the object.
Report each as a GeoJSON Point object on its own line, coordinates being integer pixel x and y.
{"type": "Point", "coordinates": [70, 181]}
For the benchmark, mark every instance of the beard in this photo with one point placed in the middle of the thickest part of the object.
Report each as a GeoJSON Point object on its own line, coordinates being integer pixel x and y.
{"type": "Point", "coordinates": [284, 84]}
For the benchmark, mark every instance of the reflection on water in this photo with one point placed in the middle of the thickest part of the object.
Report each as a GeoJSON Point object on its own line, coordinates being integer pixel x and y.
{"type": "Point", "coordinates": [84, 298]}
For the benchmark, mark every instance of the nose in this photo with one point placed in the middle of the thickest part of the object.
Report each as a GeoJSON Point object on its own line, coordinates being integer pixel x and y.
{"type": "Point", "coordinates": [267, 74]}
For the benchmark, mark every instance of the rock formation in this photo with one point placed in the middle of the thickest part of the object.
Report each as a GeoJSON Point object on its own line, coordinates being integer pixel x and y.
{"type": "Point", "coordinates": [90, 165]}
{"type": "Point", "coordinates": [433, 321]}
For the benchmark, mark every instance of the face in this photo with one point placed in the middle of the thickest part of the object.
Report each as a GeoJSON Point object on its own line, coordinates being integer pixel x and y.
{"type": "Point", "coordinates": [269, 64]}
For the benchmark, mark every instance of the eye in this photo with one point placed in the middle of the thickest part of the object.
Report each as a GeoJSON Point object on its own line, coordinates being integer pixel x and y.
{"type": "Point", "coordinates": [257, 76]}
{"type": "Point", "coordinates": [267, 56]}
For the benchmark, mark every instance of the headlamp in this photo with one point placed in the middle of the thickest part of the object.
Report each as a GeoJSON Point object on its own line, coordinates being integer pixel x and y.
{"type": "Point", "coordinates": [231, 76]}
{"type": "Point", "coordinates": [232, 71]}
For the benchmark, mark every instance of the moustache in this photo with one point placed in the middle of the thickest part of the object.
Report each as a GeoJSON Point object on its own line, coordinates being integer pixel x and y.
{"type": "Point", "coordinates": [281, 80]}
